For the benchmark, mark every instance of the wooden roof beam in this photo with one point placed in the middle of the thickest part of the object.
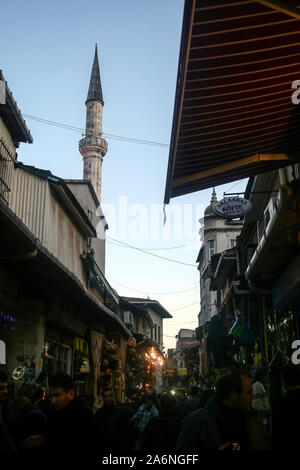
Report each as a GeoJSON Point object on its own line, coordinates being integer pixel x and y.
{"type": "Point", "coordinates": [258, 157]}
{"type": "Point", "coordinates": [282, 7]}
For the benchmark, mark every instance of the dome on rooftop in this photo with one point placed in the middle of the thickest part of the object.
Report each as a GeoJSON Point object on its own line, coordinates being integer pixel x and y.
{"type": "Point", "coordinates": [209, 211]}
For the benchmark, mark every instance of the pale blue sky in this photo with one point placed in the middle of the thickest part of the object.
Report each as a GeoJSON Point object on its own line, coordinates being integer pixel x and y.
{"type": "Point", "coordinates": [47, 51]}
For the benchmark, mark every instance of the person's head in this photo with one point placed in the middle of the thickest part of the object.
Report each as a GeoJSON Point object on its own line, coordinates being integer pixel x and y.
{"type": "Point", "coordinates": [32, 391]}
{"type": "Point", "coordinates": [107, 395]}
{"type": "Point", "coordinates": [260, 376]}
{"type": "Point", "coordinates": [62, 390]}
{"type": "Point", "coordinates": [20, 406]}
{"type": "Point", "coordinates": [235, 390]}
{"type": "Point", "coordinates": [3, 387]}
{"type": "Point", "coordinates": [291, 376]}
{"type": "Point", "coordinates": [149, 392]}
{"type": "Point", "coordinates": [168, 406]}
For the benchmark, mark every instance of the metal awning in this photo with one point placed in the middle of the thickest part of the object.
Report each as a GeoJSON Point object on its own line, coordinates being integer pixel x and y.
{"type": "Point", "coordinates": [233, 114]}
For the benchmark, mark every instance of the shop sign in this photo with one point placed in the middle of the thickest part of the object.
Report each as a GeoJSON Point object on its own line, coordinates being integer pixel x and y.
{"type": "Point", "coordinates": [182, 371]}
{"type": "Point", "coordinates": [232, 207]}
{"type": "Point", "coordinates": [170, 372]}
{"type": "Point", "coordinates": [85, 367]}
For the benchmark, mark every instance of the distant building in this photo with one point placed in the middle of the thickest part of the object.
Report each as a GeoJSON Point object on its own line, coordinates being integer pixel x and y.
{"type": "Point", "coordinates": [218, 235]}
{"type": "Point", "coordinates": [144, 318]}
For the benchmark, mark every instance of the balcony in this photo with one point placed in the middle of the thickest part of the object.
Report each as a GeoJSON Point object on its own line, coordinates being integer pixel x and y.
{"type": "Point", "coordinates": [6, 169]}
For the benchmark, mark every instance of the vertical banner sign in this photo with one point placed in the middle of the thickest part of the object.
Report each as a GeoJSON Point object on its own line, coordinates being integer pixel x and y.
{"type": "Point", "coordinates": [96, 342]}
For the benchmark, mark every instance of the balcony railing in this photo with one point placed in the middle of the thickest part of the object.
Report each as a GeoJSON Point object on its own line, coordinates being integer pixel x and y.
{"type": "Point", "coordinates": [6, 169]}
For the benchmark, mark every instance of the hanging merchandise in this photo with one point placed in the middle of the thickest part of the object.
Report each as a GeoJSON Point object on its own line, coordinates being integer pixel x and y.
{"type": "Point", "coordinates": [248, 336]}
{"type": "Point", "coordinates": [237, 332]}
{"type": "Point", "coordinates": [7, 321]}
{"type": "Point", "coordinates": [216, 338]}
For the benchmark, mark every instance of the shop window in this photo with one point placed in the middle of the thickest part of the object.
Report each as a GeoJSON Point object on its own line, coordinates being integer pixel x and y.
{"type": "Point", "coordinates": [59, 358]}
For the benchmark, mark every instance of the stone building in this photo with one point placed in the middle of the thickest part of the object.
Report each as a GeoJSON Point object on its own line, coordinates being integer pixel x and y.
{"type": "Point", "coordinates": [219, 234]}
{"type": "Point", "coordinates": [58, 312]}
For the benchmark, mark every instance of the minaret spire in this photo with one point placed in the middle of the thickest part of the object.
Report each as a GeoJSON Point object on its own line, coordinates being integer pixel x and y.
{"type": "Point", "coordinates": [95, 88]}
{"type": "Point", "coordinates": [214, 199]}
{"type": "Point", "coordinates": [93, 147]}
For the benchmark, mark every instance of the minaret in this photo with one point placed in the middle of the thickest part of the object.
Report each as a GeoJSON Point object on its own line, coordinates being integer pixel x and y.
{"type": "Point", "coordinates": [93, 147]}
{"type": "Point", "coordinates": [214, 199]}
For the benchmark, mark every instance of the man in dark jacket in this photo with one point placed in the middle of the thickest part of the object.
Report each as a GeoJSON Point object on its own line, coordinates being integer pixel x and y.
{"type": "Point", "coordinates": [112, 425]}
{"type": "Point", "coordinates": [69, 418]}
{"type": "Point", "coordinates": [191, 403]}
{"type": "Point", "coordinates": [4, 397]}
{"type": "Point", "coordinates": [227, 421]}
{"type": "Point", "coordinates": [286, 414]}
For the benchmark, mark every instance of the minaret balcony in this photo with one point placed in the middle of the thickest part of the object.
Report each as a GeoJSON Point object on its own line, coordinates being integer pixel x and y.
{"type": "Point", "coordinates": [93, 144]}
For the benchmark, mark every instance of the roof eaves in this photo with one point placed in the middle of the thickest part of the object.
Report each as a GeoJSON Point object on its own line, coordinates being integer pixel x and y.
{"type": "Point", "coordinates": [13, 107]}
{"type": "Point", "coordinates": [55, 181]}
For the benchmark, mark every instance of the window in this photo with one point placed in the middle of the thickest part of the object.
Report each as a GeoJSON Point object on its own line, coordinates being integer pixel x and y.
{"type": "Point", "coordinates": [155, 333]}
{"type": "Point", "coordinates": [232, 242]}
{"type": "Point", "coordinates": [158, 334]}
{"type": "Point", "coordinates": [58, 358]}
{"type": "Point", "coordinates": [211, 248]}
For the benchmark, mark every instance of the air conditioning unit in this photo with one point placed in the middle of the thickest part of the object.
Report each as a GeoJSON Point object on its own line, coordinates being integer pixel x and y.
{"type": "Point", "coordinates": [128, 318]}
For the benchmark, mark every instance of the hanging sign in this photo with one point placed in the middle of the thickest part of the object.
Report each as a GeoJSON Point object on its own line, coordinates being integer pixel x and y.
{"type": "Point", "coordinates": [232, 207]}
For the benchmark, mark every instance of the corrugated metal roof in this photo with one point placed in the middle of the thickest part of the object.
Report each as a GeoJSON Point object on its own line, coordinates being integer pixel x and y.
{"type": "Point", "coordinates": [233, 114]}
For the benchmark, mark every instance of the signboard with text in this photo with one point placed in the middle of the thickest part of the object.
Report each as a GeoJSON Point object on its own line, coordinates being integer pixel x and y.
{"type": "Point", "coordinates": [232, 207]}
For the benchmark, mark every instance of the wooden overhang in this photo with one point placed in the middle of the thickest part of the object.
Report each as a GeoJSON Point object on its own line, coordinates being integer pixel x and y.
{"type": "Point", "coordinates": [233, 115]}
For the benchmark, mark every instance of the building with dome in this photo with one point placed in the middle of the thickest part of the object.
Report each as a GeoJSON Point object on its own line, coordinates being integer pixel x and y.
{"type": "Point", "coordinates": [217, 234]}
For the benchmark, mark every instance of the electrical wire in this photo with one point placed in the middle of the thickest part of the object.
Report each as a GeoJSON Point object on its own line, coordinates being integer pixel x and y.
{"type": "Point", "coordinates": [153, 293]}
{"type": "Point", "coordinates": [159, 249]}
{"type": "Point", "coordinates": [108, 136]}
{"type": "Point", "coordinates": [126, 245]}
{"type": "Point", "coordinates": [181, 308]}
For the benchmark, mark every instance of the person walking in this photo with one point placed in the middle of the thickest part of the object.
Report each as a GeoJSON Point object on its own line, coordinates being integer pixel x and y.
{"type": "Point", "coordinates": [227, 421]}
{"type": "Point", "coordinates": [191, 403]}
{"type": "Point", "coordinates": [161, 432]}
{"type": "Point", "coordinates": [69, 418]}
{"type": "Point", "coordinates": [286, 414]}
{"type": "Point", "coordinates": [142, 417]}
{"type": "Point", "coordinates": [112, 425]}
{"type": "Point", "coordinates": [28, 428]}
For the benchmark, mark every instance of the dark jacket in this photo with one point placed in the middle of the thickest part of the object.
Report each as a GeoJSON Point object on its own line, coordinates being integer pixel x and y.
{"type": "Point", "coordinates": [190, 404]}
{"type": "Point", "coordinates": [210, 427]}
{"type": "Point", "coordinates": [6, 443]}
{"type": "Point", "coordinates": [31, 423]}
{"type": "Point", "coordinates": [113, 428]}
{"type": "Point", "coordinates": [285, 422]}
{"type": "Point", "coordinates": [71, 427]}
{"type": "Point", "coordinates": [160, 434]}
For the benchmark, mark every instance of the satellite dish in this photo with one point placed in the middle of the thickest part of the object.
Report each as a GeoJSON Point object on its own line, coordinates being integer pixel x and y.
{"type": "Point", "coordinates": [19, 372]}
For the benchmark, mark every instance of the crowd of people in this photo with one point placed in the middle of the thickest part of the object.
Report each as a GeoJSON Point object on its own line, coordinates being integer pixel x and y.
{"type": "Point", "coordinates": [235, 414]}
